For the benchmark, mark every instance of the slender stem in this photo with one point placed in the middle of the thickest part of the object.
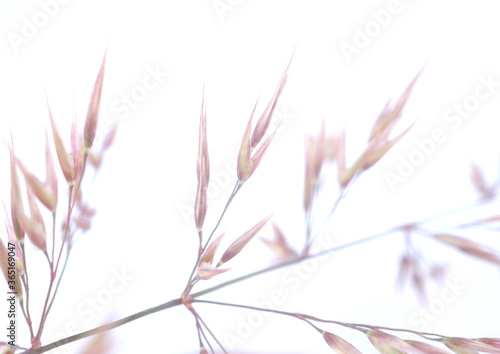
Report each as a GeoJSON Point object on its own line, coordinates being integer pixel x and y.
{"type": "Point", "coordinates": [71, 204]}
{"type": "Point", "coordinates": [53, 238]}
{"type": "Point", "coordinates": [198, 257]}
{"type": "Point", "coordinates": [53, 271]}
{"type": "Point", "coordinates": [177, 302]}
{"type": "Point", "coordinates": [27, 288]}
{"type": "Point", "coordinates": [233, 194]}
{"type": "Point", "coordinates": [340, 196]}
{"type": "Point", "coordinates": [200, 251]}
{"type": "Point", "coordinates": [66, 229]}
{"type": "Point", "coordinates": [205, 337]}
{"type": "Point", "coordinates": [28, 320]}
{"type": "Point", "coordinates": [198, 329]}
{"type": "Point", "coordinates": [106, 327]}
{"type": "Point", "coordinates": [302, 316]}
{"type": "Point", "coordinates": [213, 336]}
{"type": "Point", "coordinates": [58, 281]}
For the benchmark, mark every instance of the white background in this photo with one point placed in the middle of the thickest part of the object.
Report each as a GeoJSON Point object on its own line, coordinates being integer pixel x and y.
{"type": "Point", "coordinates": [148, 179]}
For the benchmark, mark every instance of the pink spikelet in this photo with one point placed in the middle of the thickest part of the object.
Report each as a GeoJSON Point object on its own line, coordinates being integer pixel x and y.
{"type": "Point", "coordinates": [202, 170]}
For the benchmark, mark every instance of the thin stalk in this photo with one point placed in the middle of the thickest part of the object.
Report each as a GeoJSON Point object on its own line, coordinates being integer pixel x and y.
{"type": "Point", "coordinates": [28, 320]}
{"type": "Point", "coordinates": [106, 327]}
{"type": "Point", "coordinates": [53, 270]}
{"type": "Point", "coordinates": [53, 238]}
{"type": "Point", "coordinates": [205, 338]}
{"type": "Point", "coordinates": [200, 251]}
{"type": "Point", "coordinates": [27, 288]}
{"type": "Point", "coordinates": [233, 194]}
{"type": "Point", "coordinates": [58, 281]}
{"type": "Point", "coordinates": [198, 257]}
{"type": "Point", "coordinates": [199, 336]}
{"type": "Point", "coordinates": [66, 229]}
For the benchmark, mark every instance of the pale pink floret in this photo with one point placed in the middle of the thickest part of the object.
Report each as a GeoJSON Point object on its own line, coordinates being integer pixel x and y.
{"type": "Point", "coordinates": [378, 142]}
{"type": "Point", "coordinates": [470, 247]}
{"type": "Point", "coordinates": [480, 183]}
{"type": "Point", "coordinates": [208, 255]}
{"type": "Point", "coordinates": [62, 155]}
{"type": "Point", "coordinates": [421, 347]}
{"type": "Point", "coordinates": [389, 117]}
{"type": "Point", "coordinates": [36, 226]}
{"type": "Point", "coordinates": [3, 265]}
{"type": "Point", "coordinates": [464, 345]}
{"type": "Point", "coordinates": [43, 191]}
{"type": "Point", "coordinates": [93, 109]}
{"type": "Point", "coordinates": [265, 119]}
{"type": "Point", "coordinates": [13, 239]}
{"type": "Point", "coordinates": [279, 245]}
{"type": "Point", "coordinates": [386, 343]}
{"type": "Point", "coordinates": [16, 200]}
{"type": "Point", "coordinates": [207, 271]}
{"type": "Point", "coordinates": [242, 241]}
{"type": "Point", "coordinates": [315, 156]}
{"type": "Point", "coordinates": [202, 171]}
{"type": "Point", "coordinates": [243, 167]}
{"type": "Point", "coordinates": [254, 145]}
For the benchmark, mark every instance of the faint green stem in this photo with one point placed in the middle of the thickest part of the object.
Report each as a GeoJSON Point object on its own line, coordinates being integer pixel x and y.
{"type": "Point", "coordinates": [340, 196]}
